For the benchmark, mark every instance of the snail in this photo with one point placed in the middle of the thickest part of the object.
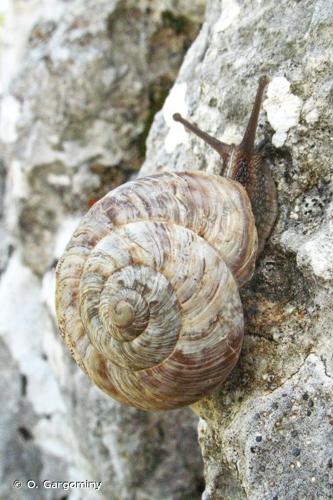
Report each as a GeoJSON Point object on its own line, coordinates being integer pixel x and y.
{"type": "Point", "coordinates": [147, 290]}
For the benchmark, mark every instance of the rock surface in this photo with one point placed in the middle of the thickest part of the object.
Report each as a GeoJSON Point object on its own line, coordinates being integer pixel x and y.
{"type": "Point", "coordinates": [267, 432]}
{"type": "Point", "coordinates": [80, 84]}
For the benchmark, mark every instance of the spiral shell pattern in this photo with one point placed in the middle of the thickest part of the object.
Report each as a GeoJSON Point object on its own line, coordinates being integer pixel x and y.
{"type": "Point", "coordinates": [147, 289]}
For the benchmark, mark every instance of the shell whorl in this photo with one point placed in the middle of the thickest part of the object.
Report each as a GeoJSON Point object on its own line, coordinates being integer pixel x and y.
{"type": "Point", "coordinates": [147, 289]}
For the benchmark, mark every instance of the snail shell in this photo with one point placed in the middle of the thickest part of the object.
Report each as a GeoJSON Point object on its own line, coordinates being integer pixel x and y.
{"type": "Point", "coordinates": [147, 290]}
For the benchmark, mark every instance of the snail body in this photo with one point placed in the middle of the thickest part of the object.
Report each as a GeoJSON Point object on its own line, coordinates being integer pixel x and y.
{"type": "Point", "coordinates": [148, 287]}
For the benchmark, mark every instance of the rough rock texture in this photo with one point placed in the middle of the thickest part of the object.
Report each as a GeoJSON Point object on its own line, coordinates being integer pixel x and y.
{"type": "Point", "coordinates": [267, 433]}
{"type": "Point", "coordinates": [80, 84]}
{"type": "Point", "coordinates": [78, 112]}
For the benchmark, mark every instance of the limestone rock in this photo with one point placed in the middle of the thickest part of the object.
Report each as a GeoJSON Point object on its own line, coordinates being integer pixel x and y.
{"type": "Point", "coordinates": [79, 102]}
{"type": "Point", "coordinates": [81, 82]}
{"type": "Point", "coordinates": [267, 432]}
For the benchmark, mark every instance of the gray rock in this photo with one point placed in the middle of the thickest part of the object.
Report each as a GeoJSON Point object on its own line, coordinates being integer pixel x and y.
{"type": "Point", "coordinates": [21, 458]}
{"type": "Point", "coordinates": [80, 105]}
{"type": "Point", "coordinates": [82, 82]}
{"type": "Point", "coordinates": [286, 364]}
{"type": "Point", "coordinates": [267, 432]}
